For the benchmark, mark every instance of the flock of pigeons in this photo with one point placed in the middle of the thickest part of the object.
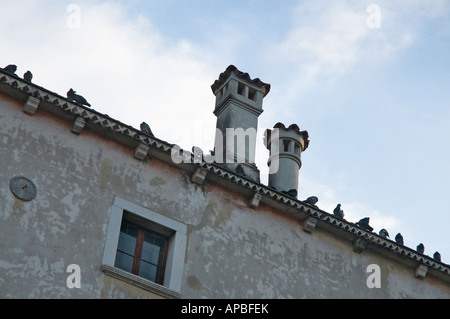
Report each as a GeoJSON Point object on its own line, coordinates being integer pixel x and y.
{"type": "Point", "coordinates": [12, 68]}
{"type": "Point", "coordinates": [364, 224]}
{"type": "Point", "coordinates": [145, 128]}
{"type": "Point", "coordinates": [28, 76]}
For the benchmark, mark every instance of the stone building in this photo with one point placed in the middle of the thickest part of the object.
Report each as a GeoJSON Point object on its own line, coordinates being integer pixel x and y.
{"type": "Point", "coordinates": [93, 208]}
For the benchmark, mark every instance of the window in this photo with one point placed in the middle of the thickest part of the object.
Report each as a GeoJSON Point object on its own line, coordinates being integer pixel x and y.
{"type": "Point", "coordinates": [141, 252]}
{"type": "Point", "coordinates": [145, 249]}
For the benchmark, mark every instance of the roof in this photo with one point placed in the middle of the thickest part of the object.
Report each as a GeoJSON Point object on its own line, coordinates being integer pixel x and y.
{"type": "Point", "coordinates": [51, 102]}
{"type": "Point", "coordinates": [245, 76]}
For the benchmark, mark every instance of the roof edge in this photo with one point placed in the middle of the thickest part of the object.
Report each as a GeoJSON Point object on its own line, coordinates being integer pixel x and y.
{"type": "Point", "coordinates": [109, 124]}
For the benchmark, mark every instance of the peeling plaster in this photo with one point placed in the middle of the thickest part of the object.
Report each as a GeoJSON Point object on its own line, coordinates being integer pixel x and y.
{"type": "Point", "coordinates": [233, 251]}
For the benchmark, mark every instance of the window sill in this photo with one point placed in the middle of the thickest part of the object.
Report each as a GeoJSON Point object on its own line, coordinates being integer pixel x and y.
{"type": "Point", "coordinates": [140, 282]}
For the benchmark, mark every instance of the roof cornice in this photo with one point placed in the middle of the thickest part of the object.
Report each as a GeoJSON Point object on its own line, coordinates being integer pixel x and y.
{"type": "Point", "coordinates": [53, 103]}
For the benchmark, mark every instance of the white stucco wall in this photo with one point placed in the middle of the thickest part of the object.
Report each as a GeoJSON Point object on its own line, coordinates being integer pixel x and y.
{"type": "Point", "coordinates": [232, 250]}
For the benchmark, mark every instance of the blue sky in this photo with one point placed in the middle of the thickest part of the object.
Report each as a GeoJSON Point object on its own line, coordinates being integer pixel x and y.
{"type": "Point", "coordinates": [375, 101]}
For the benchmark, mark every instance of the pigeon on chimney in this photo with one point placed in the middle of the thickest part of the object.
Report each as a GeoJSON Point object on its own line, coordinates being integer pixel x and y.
{"type": "Point", "coordinates": [437, 256]}
{"type": "Point", "coordinates": [399, 239]}
{"type": "Point", "coordinates": [312, 200]}
{"type": "Point", "coordinates": [12, 68]}
{"type": "Point", "coordinates": [145, 128]}
{"type": "Point", "coordinates": [364, 223]}
{"type": "Point", "coordinates": [420, 248]}
{"type": "Point", "coordinates": [78, 99]}
{"type": "Point", "coordinates": [338, 212]}
{"type": "Point", "coordinates": [384, 233]}
{"type": "Point", "coordinates": [28, 76]}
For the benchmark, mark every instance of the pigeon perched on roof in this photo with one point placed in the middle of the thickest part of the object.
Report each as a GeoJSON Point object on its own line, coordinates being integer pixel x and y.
{"type": "Point", "coordinates": [338, 212]}
{"type": "Point", "coordinates": [78, 99]}
{"type": "Point", "coordinates": [364, 224]}
{"type": "Point", "coordinates": [312, 200]}
{"type": "Point", "coordinates": [28, 76]}
{"type": "Point", "coordinates": [437, 256]}
{"type": "Point", "coordinates": [240, 170]}
{"type": "Point", "coordinates": [383, 233]}
{"type": "Point", "coordinates": [420, 248]}
{"type": "Point", "coordinates": [145, 128]}
{"type": "Point", "coordinates": [292, 192]}
{"type": "Point", "coordinates": [11, 68]}
{"type": "Point", "coordinates": [399, 239]}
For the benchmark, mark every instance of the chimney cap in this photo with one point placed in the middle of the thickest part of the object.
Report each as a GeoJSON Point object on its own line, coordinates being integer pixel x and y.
{"type": "Point", "coordinates": [245, 76]}
{"type": "Point", "coordinates": [294, 127]}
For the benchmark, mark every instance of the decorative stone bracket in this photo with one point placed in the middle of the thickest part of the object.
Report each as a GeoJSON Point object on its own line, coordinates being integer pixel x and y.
{"type": "Point", "coordinates": [310, 224]}
{"type": "Point", "coordinates": [78, 125]}
{"type": "Point", "coordinates": [141, 151]}
{"type": "Point", "coordinates": [31, 105]}
{"type": "Point", "coordinates": [421, 271]}
{"type": "Point", "coordinates": [359, 245]}
{"type": "Point", "coordinates": [254, 202]}
{"type": "Point", "coordinates": [199, 176]}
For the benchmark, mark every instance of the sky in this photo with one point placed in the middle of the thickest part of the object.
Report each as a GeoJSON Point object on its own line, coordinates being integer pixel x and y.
{"type": "Point", "coordinates": [368, 80]}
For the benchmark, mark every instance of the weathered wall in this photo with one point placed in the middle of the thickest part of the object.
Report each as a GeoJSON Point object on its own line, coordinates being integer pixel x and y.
{"type": "Point", "coordinates": [232, 250]}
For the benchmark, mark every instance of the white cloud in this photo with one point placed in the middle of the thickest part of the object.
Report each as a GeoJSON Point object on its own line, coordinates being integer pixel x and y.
{"type": "Point", "coordinates": [120, 63]}
{"type": "Point", "coordinates": [328, 39]}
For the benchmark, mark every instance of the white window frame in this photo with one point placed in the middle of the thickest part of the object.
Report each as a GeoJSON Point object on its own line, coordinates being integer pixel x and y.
{"type": "Point", "coordinates": [175, 256]}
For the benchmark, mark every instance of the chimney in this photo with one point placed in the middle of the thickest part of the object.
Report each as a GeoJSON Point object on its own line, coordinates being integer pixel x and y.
{"type": "Point", "coordinates": [285, 146]}
{"type": "Point", "coordinates": [238, 105]}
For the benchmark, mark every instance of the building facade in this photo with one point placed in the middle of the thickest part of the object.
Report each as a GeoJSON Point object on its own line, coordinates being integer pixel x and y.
{"type": "Point", "coordinates": [93, 208]}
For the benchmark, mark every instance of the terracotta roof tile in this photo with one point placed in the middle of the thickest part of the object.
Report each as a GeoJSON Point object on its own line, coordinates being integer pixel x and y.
{"type": "Point", "coordinates": [245, 76]}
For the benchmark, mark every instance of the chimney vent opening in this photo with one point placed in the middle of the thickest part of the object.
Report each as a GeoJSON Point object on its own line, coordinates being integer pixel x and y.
{"type": "Point", "coordinates": [252, 94]}
{"type": "Point", "coordinates": [241, 89]}
{"type": "Point", "coordinates": [286, 145]}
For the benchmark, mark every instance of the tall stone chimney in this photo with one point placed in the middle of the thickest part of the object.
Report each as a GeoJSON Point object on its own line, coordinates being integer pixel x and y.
{"type": "Point", "coordinates": [285, 146]}
{"type": "Point", "coordinates": [238, 105]}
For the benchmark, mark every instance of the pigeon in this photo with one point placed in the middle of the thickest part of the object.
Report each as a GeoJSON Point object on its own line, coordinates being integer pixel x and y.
{"type": "Point", "coordinates": [292, 192]}
{"type": "Point", "coordinates": [78, 99]}
{"type": "Point", "coordinates": [364, 224]}
{"type": "Point", "coordinates": [338, 212]}
{"type": "Point", "coordinates": [399, 239]}
{"type": "Point", "coordinates": [145, 128]}
{"type": "Point", "coordinates": [384, 233]}
{"type": "Point", "coordinates": [12, 68]}
{"type": "Point", "coordinates": [240, 170]}
{"type": "Point", "coordinates": [420, 248]}
{"type": "Point", "coordinates": [437, 256]}
{"type": "Point", "coordinates": [312, 200]}
{"type": "Point", "coordinates": [28, 76]}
